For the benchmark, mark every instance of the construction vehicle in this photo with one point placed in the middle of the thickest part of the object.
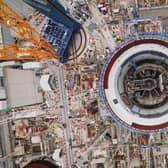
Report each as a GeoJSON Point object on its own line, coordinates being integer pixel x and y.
{"type": "Point", "coordinates": [38, 48]}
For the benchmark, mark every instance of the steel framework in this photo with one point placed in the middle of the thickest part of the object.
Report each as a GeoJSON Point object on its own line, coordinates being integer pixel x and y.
{"type": "Point", "coordinates": [40, 47]}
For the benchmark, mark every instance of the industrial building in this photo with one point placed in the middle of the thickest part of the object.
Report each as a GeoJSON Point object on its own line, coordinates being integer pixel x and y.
{"type": "Point", "coordinates": [19, 83]}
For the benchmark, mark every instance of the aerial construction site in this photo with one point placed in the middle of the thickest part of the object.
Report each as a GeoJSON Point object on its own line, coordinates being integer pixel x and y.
{"type": "Point", "coordinates": [83, 84]}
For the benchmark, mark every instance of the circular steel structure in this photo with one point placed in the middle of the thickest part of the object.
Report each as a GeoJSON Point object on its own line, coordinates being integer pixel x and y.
{"type": "Point", "coordinates": [134, 84]}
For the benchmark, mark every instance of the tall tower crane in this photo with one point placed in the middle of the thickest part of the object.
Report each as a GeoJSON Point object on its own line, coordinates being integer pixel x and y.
{"type": "Point", "coordinates": [39, 48]}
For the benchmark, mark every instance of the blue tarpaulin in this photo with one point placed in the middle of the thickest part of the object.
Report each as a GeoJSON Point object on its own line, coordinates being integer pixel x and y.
{"type": "Point", "coordinates": [60, 26]}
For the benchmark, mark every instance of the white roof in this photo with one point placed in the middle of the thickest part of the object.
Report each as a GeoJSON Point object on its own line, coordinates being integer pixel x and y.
{"type": "Point", "coordinates": [100, 5]}
{"type": "Point", "coordinates": [7, 63]}
{"type": "Point", "coordinates": [1, 71]}
{"type": "Point", "coordinates": [2, 94]}
{"type": "Point", "coordinates": [104, 9]}
{"type": "Point", "coordinates": [98, 152]}
{"type": "Point", "coordinates": [115, 141]}
{"type": "Point", "coordinates": [3, 105]}
{"type": "Point", "coordinates": [115, 10]}
{"type": "Point", "coordinates": [35, 139]}
{"type": "Point", "coordinates": [31, 65]}
{"type": "Point", "coordinates": [44, 83]}
{"type": "Point", "coordinates": [56, 156]}
{"type": "Point", "coordinates": [99, 160]}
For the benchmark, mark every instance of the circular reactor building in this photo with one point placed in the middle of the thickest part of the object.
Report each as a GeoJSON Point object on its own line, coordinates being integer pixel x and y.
{"type": "Point", "coordinates": [134, 84]}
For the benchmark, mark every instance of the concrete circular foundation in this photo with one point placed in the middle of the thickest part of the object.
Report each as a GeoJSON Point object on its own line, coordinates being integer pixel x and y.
{"type": "Point", "coordinates": [134, 84]}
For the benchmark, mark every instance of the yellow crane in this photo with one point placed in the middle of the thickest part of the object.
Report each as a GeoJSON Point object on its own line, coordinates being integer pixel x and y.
{"type": "Point", "coordinates": [39, 47]}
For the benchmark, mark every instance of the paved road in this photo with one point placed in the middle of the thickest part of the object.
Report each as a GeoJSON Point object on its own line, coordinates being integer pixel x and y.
{"type": "Point", "coordinates": [65, 117]}
{"type": "Point", "coordinates": [6, 161]}
{"type": "Point", "coordinates": [63, 99]}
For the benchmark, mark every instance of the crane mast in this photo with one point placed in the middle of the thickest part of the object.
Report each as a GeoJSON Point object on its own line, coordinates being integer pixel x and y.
{"type": "Point", "coordinates": [40, 48]}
